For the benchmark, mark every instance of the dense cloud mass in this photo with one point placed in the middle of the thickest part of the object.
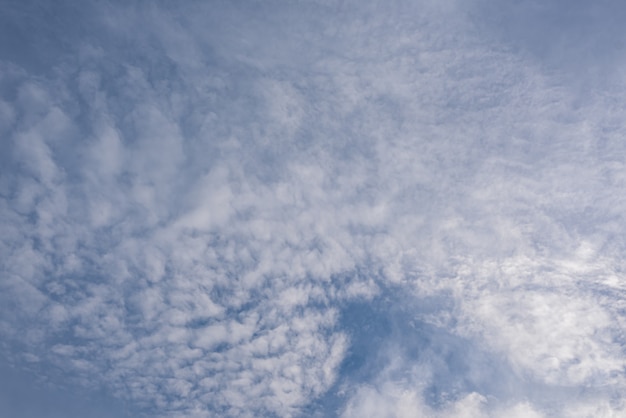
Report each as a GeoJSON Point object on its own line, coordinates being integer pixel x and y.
{"type": "Point", "coordinates": [314, 208]}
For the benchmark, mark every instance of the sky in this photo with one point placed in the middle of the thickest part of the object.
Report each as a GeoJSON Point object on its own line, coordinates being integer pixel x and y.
{"type": "Point", "coordinates": [312, 208]}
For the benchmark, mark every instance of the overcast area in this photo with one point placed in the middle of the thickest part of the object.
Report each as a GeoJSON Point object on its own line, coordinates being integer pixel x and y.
{"type": "Point", "coordinates": [313, 209]}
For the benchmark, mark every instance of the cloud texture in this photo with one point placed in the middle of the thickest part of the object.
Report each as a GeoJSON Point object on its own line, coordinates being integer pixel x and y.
{"type": "Point", "coordinates": [297, 208]}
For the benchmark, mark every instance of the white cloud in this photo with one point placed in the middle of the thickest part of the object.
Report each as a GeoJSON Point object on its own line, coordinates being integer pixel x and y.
{"type": "Point", "coordinates": [398, 401]}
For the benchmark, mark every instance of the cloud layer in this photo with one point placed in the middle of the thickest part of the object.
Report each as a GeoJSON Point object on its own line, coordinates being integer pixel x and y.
{"type": "Point", "coordinates": [192, 212]}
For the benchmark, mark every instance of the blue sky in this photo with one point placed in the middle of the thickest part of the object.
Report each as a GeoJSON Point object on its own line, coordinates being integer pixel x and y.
{"type": "Point", "coordinates": [312, 208]}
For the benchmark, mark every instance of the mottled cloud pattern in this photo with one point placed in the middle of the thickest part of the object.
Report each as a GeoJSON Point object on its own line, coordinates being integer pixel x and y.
{"type": "Point", "coordinates": [316, 208]}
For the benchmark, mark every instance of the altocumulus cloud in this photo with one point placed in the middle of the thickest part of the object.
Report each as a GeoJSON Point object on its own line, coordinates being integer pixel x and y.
{"type": "Point", "coordinates": [316, 208]}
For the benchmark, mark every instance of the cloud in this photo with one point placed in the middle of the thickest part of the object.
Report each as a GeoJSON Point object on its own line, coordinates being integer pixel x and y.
{"type": "Point", "coordinates": [190, 212]}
